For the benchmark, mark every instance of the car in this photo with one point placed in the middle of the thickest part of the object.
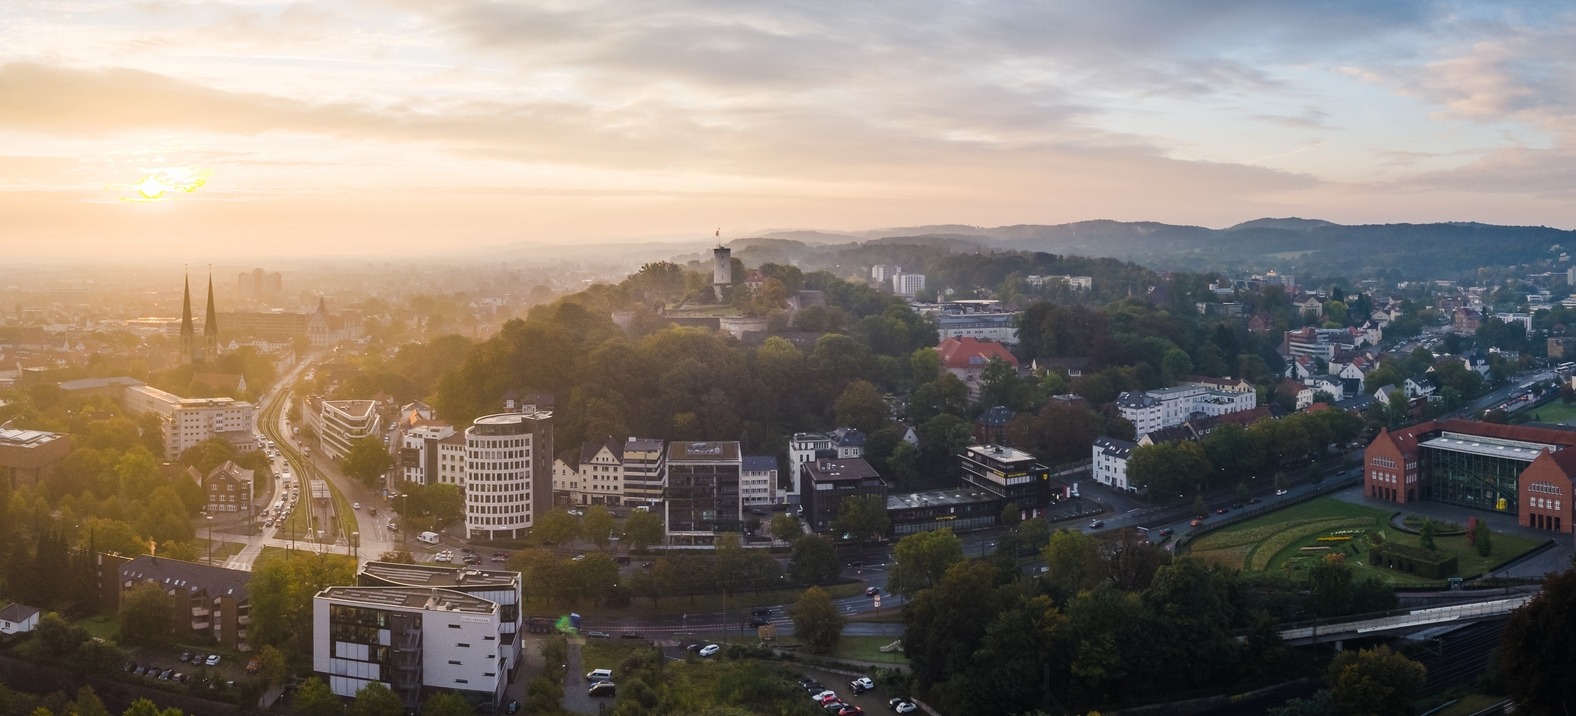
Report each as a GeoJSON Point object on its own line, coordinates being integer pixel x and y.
{"type": "Point", "coordinates": [1278, 493]}
{"type": "Point", "coordinates": [471, 559]}
{"type": "Point", "coordinates": [855, 562]}
{"type": "Point", "coordinates": [372, 511]}
{"type": "Point", "coordinates": [646, 565]}
{"type": "Point", "coordinates": [185, 657]}
{"type": "Point", "coordinates": [254, 665]}
{"type": "Point", "coordinates": [578, 558]}
{"type": "Point", "coordinates": [166, 674]}
{"type": "Point", "coordinates": [1196, 522]}
{"type": "Point", "coordinates": [834, 706]}
{"type": "Point", "coordinates": [709, 650]}
{"type": "Point", "coordinates": [599, 635]}
{"type": "Point", "coordinates": [1238, 506]}
{"type": "Point", "coordinates": [602, 688]}
{"type": "Point", "coordinates": [468, 550]}
{"type": "Point", "coordinates": [139, 671]}
{"type": "Point", "coordinates": [212, 660]}
{"type": "Point", "coordinates": [131, 666]}
{"type": "Point", "coordinates": [444, 556]}
{"type": "Point", "coordinates": [761, 611]}
{"type": "Point", "coordinates": [893, 702]}
{"type": "Point", "coordinates": [180, 678]}
{"type": "Point", "coordinates": [631, 635]}
{"type": "Point", "coordinates": [759, 621]}
{"type": "Point", "coordinates": [872, 591]}
{"type": "Point", "coordinates": [812, 686]}
{"type": "Point", "coordinates": [827, 697]}
{"type": "Point", "coordinates": [1165, 532]}
{"type": "Point", "coordinates": [861, 684]}
{"type": "Point", "coordinates": [850, 710]}
{"type": "Point", "coordinates": [1255, 500]}
{"type": "Point", "coordinates": [1221, 510]}
{"type": "Point", "coordinates": [512, 708]}
{"type": "Point", "coordinates": [907, 707]}
{"type": "Point", "coordinates": [355, 505]}
{"type": "Point", "coordinates": [1096, 524]}
{"type": "Point", "coordinates": [692, 647]}
{"type": "Point", "coordinates": [599, 675]}
{"type": "Point", "coordinates": [499, 558]}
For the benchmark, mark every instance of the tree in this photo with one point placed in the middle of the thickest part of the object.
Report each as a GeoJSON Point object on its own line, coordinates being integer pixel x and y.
{"type": "Point", "coordinates": [944, 625]}
{"type": "Point", "coordinates": [597, 525]}
{"type": "Point", "coordinates": [145, 614]}
{"type": "Point", "coordinates": [144, 707]}
{"type": "Point", "coordinates": [314, 698]}
{"type": "Point", "coordinates": [816, 621]}
{"type": "Point", "coordinates": [861, 407]}
{"type": "Point", "coordinates": [922, 559]}
{"type": "Point", "coordinates": [1425, 537]}
{"type": "Point", "coordinates": [786, 528]}
{"type": "Point", "coordinates": [446, 704]}
{"type": "Point", "coordinates": [1011, 515]}
{"type": "Point", "coordinates": [1483, 539]}
{"type": "Point", "coordinates": [1376, 682]}
{"type": "Point", "coordinates": [557, 527]}
{"type": "Point", "coordinates": [1170, 468]}
{"type": "Point", "coordinates": [445, 502]}
{"type": "Point", "coordinates": [375, 699]}
{"type": "Point", "coordinates": [643, 529]}
{"type": "Point", "coordinates": [862, 516]}
{"type": "Point", "coordinates": [367, 460]}
{"type": "Point", "coordinates": [1072, 564]}
{"type": "Point", "coordinates": [814, 560]}
{"type": "Point", "coordinates": [1538, 647]}
{"type": "Point", "coordinates": [272, 665]}
{"type": "Point", "coordinates": [58, 639]}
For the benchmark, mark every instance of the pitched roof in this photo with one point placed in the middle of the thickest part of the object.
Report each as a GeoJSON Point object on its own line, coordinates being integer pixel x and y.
{"type": "Point", "coordinates": [614, 447]}
{"type": "Point", "coordinates": [847, 437]}
{"type": "Point", "coordinates": [969, 352]}
{"type": "Point", "coordinates": [759, 463]}
{"type": "Point", "coordinates": [187, 576]}
{"type": "Point", "coordinates": [17, 613]}
{"type": "Point", "coordinates": [995, 417]}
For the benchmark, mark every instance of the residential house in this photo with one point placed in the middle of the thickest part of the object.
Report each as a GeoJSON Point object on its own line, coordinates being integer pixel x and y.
{"type": "Point", "coordinates": [18, 618]}
{"type": "Point", "coordinates": [967, 359]}
{"type": "Point", "coordinates": [210, 602]}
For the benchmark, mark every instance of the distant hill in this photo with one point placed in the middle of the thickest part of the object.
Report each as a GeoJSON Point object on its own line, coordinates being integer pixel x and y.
{"type": "Point", "coordinates": [1289, 224]}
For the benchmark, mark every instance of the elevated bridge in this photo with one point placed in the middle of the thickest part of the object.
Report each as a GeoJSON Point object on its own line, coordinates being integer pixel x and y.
{"type": "Point", "coordinates": [1404, 621]}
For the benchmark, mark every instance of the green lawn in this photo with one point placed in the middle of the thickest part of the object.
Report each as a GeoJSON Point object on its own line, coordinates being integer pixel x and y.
{"type": "Point", "coordinates": [103, 626]}
{"type": "Point", "coordinates": [1290, 541]}
{"type": "Point", "coordinates": [1555, 412]}
{"type": "Point", "coordinates": [868, 648]}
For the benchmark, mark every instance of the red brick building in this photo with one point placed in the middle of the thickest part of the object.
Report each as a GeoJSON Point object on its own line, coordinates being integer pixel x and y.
{"type": "Point", "coordinates": [1525, 471]}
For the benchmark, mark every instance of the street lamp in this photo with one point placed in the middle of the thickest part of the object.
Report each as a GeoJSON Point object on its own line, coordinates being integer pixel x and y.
{"type": "Point", "coordinates": [209, 519]}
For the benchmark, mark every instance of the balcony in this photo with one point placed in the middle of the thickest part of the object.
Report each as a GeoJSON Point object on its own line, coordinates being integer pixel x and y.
{"type": "Point", "coordinates": [200, 612]}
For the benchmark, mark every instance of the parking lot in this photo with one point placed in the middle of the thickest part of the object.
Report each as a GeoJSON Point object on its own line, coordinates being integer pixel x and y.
{"type": "Point", "coordinates": [200, 670]}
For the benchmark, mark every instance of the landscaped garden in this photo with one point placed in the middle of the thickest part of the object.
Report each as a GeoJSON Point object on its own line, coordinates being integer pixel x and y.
{"type": "Point", "coordinates": [1292, 540]}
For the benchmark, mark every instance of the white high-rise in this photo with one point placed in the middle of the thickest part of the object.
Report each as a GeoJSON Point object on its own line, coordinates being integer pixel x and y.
{"type": "Point", "coordinates": [508, 473]}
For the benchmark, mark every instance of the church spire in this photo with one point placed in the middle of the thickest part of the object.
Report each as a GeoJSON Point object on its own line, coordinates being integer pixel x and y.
{"type": "Point", "coordinates": [188, 332]}
{"type": "Point", "coordinates": [210, 326]}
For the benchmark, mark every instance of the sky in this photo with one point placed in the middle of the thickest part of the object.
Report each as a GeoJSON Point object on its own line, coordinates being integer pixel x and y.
{"type": "Point", "coordinates": [413, 127]}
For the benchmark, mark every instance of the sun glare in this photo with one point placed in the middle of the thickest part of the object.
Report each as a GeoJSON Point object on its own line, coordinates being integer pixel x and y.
{"type": "Point", "coordinates": [164, 184]}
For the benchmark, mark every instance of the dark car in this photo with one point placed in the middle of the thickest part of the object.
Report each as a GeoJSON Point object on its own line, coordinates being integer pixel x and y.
{"type": "Point", "coordinates": [1255, 500]}
{"type": "Point", "coordinates": [602, 688]}
{"type": "Point", "coordinates": [1221, 510]}
{"type": "Point", "coordinates": [1165, 532]}
{"type": "Point", "coordinates": [185, 657]}
{"type": "Point", "coordinates": [630, 635]}
{"type": "Point", "coordinates": [761, 611]}
{"type": "Point", "coordinates": [512, 708]}
{"type": "Point", "coordinates": [759, 621]}
{"type": "Point", "coordinates": [1096, 524]}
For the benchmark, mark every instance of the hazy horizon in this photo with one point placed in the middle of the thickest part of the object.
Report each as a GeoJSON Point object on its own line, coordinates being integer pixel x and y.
{"type": "Point", "coordinates": [398, 129]}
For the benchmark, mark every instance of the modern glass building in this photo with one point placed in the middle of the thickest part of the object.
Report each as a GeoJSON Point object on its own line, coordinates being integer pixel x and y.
{"type": "Point", "coordinates": [1476, 471]}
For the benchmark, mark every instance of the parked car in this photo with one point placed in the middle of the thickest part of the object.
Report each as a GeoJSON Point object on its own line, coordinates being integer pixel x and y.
{"type": "Point", "coordinates": [710, 650]}
{"type": "Point", "coordinates": [759, 621]}
{"type": "Point", "coordinates": [1255, 500]}
{"type": "Point", "coordinates": [861, 684]}
{"type": "Point", "coordinates": [599, 675]}
{"type": "Point", "coordinates": [850, 710]}
{"type": "Point", "coordinates": [602, 688]}
{"type": "Point", "coordinates": [185, 656]}
{"type": "Point", "coordinates": [253, 665]}
{"type": "Point", "coordinates": [355, 505]}
{"type": "Point", "coordinates": [212, 660]}
{"type": "Point", "coordinates": [907, 707]}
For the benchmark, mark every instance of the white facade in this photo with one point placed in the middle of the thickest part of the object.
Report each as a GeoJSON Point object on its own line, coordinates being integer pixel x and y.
{"type": "Point", "coordinates": [419, 452]}
{"type": "Point", "coordinates": [758, 481]}
{"type": "Point", "coordinates": [1082, 283]}
{"type": "Point", "coordinates": [907, 284]}
{"type": "Point", "coordinates": [1110, 462]}
{"type": "Point", "coordinates": [18, 618]}
{"type": "Point", "coordinates": [508, 472]}
{"type": "Point", "coordinates": [996, 327]}
{"type": "Point", "coordinates": [1158, 409]}
{"type": "Point", "coordinates": [645, 470]}
{"type": "Point", "coordinates": [410, 639]}
{"type": "Point", "coordinates": [189, 421]}
{"type": "Point", "coordinates": [601, 477]}
{"type": "Point", "coordinates": [801, 449]}
{"type": "Point", "coordinates": [340, 423]}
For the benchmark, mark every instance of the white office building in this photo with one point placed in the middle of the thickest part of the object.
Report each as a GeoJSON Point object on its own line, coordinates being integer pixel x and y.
{"type": "Point", "coordinates": [186, 422]}
{"type": "Point", "coordinates": [907, 284]}
{"type": "Point", "coordinates": [340, 423]}
{"type": "Point", "coordinates": [419, 453]}
{"type": "Point", "coordinates": [508, 473]}
{"type": "Point", "coordinates": [416, 641]}
{"type": "Point", "coordinates": [758, 481]}
{"type": "Point", "coordinates": [1153, 410]}
{"type": "Point", "coordinates": [499, 586]}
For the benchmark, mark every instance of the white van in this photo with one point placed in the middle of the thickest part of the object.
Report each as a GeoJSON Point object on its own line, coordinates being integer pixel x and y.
{"type": "Point", "coordinates": [428, 537]}
{"type": "Point", "coordinates": [600, 675]}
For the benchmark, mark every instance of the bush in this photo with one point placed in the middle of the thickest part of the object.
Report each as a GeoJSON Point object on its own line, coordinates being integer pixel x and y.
{"type": "Point", "coordinates": [1416, 560]}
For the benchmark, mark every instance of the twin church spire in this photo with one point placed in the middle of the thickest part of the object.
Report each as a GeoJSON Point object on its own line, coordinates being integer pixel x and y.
{"type": "Point", "coordinates": [190, 350]}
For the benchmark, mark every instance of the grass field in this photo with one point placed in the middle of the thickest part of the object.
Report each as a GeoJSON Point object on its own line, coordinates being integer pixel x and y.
{"type": "Point", "coordinates": [1555, 412]}
{"type": "Point", "coordinates": [1290, 541]}
{"type": "Point", "coordinates": [868, 648]}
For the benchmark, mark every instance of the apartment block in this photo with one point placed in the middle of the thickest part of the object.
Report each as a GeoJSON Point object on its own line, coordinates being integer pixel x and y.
{"type": "Point", "coordinates": [416, 641]}
{"type": "Point", "coordinates": [186, 422]}
{"type": "Point", "coordinates": [508, 473]}
{"type": "Point", "coordinates": [340, 423]}
{"type": "Point", "coordinates": [499, 586]}
{"type": "Point", "coordinates": [211, 602]}
{"type": "Point", "coordinates": [703, 497]}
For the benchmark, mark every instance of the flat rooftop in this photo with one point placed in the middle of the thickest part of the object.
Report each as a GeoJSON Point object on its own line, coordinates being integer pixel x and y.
{"type": "Point", "coordinates": [1520, 450]}
{"type": "Point", "coordinates": [432, 600]}
{"type": "Point", "coordinates": [421, 575]}
{"type": "Point", "coordinates": [725, 451]}
{"type": "Point", "coordinates": [26, 438]}
{"type": "Point", "coordinates": [938, 498]}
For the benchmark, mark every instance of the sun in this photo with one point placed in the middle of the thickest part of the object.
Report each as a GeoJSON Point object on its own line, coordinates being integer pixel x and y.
{"type": "Point", "coordinates": [151, 188]}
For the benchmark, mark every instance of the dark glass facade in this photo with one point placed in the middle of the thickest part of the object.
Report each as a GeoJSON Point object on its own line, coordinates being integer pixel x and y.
{"type": "Point", "coordinates": [1472, 480]}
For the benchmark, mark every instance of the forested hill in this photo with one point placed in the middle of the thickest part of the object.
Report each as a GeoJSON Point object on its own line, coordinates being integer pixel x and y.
{"type": "Point", "coordinates": [1291, 245]}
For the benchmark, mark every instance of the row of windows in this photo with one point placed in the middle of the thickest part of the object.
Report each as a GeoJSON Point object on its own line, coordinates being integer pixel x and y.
{"type": "Point", "coordinates": [1544, 488]}
{"type": "Point", "coordinates": [1383, 462]}
{"type": "Point", "coordinates": [1544, 504]}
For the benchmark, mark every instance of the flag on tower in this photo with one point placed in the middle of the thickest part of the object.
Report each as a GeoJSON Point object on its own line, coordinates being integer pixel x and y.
{"type": "Point", "coordinates": [719, 232]}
